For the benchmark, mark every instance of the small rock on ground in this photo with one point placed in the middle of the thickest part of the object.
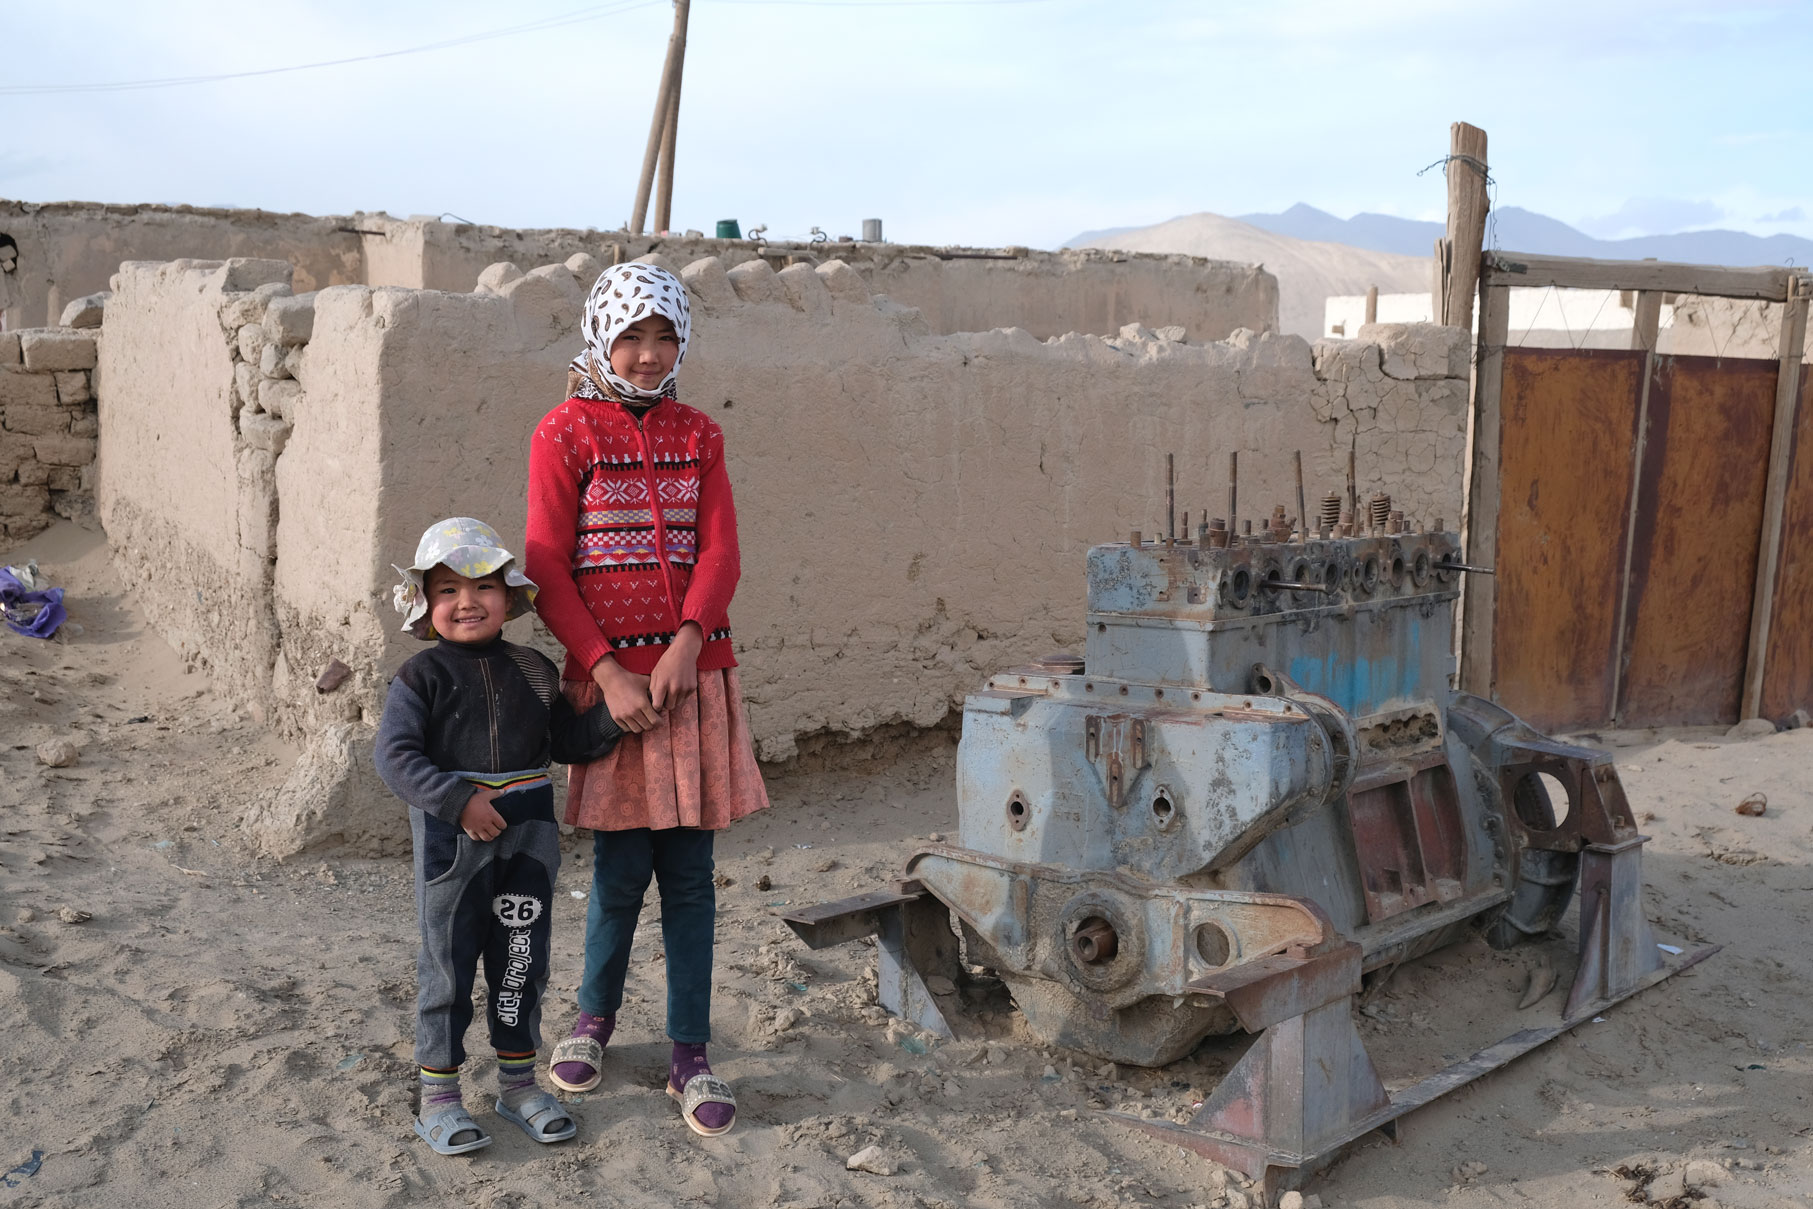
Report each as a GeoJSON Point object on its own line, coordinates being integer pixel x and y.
{"type": "Point", "coordinates": [871, 1160]}
{"type": "Point", "coordinates": [1751, 728]}
{"type": "Point", "coordinates": [57, 753]}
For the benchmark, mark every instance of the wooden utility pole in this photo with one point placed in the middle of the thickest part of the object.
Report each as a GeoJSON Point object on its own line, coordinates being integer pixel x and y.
{"type": "Point", "coordinates": [664, 188]}
{"type": "Point", "coordinates": [1467, 205]}
{"type": "Point", "coordinates": [662, 130]}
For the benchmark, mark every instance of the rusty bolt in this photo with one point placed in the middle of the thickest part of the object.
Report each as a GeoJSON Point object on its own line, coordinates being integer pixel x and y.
{"type": "Point", "coordinates": [1094, 942]}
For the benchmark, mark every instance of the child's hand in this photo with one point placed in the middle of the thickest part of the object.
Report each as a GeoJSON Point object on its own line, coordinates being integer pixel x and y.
{"type": "Point", "coordinates": [625, 696]}
{"type": "Point", "coordinates": [479, 819]}
{"type": "Point", "coordinates": [678, 672]}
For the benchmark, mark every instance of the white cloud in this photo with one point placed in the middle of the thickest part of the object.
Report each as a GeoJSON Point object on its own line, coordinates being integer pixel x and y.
{"type": "Point", "coordinates": [1652, 216]}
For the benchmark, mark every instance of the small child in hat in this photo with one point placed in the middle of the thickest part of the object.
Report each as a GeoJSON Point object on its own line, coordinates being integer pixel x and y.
{"type": "Point", "coordinates": [469, 728]}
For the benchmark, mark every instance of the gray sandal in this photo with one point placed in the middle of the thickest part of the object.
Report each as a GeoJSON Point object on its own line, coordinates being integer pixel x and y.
{"type": "Point", "coordinates": [440, 1129]}
{"type": "Point", "coordinates": [581, 1048]}
{"type": "Point", "coordinates": [541, 1117]}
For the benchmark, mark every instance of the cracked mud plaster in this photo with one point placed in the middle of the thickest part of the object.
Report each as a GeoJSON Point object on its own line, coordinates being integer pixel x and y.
{"type": "Point", "coordinates": [914, 507]}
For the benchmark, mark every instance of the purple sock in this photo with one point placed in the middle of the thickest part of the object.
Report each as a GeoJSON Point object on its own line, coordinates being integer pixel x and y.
{"type": "Point", "coordinates": [688, 1061]}
{"type": "Point", "coordinates": [597, 1027]}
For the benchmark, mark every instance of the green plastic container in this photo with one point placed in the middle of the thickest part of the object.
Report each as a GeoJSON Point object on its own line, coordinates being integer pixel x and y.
{"type": "Point", "coordinates": [728, 228]}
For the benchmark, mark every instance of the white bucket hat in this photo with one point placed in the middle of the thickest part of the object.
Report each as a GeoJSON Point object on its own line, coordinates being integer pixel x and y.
{"type": "Point", "coordinates": [466, 546]}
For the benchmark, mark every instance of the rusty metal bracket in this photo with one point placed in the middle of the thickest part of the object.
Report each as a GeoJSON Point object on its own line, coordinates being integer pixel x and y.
{"type": "Point", "coordinates": [913, 942]}
{"type": "Point", "coordinates": [1598, 811]}
{"type": "Point", "coordinates": [1306, 1090]}
{"type": "Point", "coordinates": [1303, 1091]}
{"type": "Point", "coordinates": [1274, 989]}
{"type": "Point", "coordinates": [825, 924]}
{"type": "Point", "coordinates": [916, 944]}
{"type": "Point", "coordinates": [1116, 743]}
{"type": "Point", "coordinates": [1617, 949]}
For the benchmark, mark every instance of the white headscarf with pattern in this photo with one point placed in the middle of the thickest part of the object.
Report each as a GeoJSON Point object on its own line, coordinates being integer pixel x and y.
{"type": "Point", "coordinates": [622, 295]}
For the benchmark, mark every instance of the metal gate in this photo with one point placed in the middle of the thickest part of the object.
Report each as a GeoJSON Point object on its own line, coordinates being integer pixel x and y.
{"type": "Point", "coordinates": [1650, 519]}
{"type": "Point", "coordinates": [1631, 505]}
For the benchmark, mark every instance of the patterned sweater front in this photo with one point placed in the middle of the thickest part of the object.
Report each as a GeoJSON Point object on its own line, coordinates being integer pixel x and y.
{"type": "Point", "coordinates": [632, 532]}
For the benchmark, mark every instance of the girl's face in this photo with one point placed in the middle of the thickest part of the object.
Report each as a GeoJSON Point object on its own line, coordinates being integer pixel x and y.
{"type": "Point", "coordinates": [644, 352]}
{"type": "Point", "coordinates": [466, 610]}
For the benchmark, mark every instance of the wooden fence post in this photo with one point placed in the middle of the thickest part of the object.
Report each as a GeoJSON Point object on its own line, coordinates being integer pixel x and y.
{"type": "Point", "coordinates": [1467, 204]}
{"type": "Point", "coordinates": [1372, 304]}
{"type": "Point", "coordinates": [1479, 520]}
{"type": "Point", "coordinates": [1781, 442]}
{"type": "Point", "coordinates": [1438, 283]}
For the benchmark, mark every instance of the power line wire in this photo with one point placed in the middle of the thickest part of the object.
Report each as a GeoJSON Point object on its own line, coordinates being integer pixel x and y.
{"type": "Point", "coordinates": [572, 18]}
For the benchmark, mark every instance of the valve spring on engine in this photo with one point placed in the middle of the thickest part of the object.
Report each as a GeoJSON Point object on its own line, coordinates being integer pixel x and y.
{"type": "Point", "coordinates": [1380, 509]}
{"type": "Point", "coordinates": [1330, 515]}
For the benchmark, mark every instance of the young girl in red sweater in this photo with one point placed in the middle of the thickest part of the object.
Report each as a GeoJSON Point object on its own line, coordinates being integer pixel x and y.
{"type": "Point", "coordinates": [632, 537]}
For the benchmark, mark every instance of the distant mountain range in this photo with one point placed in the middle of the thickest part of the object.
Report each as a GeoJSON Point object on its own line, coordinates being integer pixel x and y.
{"type": "Point", "coordinates": [1517, 230]}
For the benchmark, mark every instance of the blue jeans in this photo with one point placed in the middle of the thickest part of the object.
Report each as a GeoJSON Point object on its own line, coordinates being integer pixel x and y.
{"type": "Point", "coordinates": [679, 859]}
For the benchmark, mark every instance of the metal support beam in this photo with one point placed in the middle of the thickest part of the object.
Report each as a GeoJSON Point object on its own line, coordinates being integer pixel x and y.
{"type": "Point", "coordinates": [916, 943]}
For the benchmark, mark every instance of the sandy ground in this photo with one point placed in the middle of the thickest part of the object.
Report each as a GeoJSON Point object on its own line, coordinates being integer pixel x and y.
{"type": "Point", "coordinates": [186, 1026]}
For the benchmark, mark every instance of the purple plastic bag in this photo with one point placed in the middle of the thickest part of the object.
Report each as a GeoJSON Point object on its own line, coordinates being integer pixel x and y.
{"type": "Point", "coordinates": [32, 613]}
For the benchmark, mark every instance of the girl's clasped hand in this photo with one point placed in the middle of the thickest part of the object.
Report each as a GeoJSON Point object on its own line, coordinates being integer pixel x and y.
{"type": "Point", "coordinates": [638, 702]}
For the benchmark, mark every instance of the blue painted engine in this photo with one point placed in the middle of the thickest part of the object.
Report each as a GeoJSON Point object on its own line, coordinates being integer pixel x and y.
{"type": "Point", "coordinates": [1258, 755]}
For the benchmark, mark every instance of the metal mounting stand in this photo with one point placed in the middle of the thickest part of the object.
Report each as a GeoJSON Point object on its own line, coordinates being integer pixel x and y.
{"type": "Point", "coordinates": [1306, 1089]}
{"type": "Point", "coordinates": [913, 942]}
{"type": "Point", "coordinates": [1617, 949]}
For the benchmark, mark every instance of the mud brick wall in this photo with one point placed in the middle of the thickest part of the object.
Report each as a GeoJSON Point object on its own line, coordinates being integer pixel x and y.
{"type": "Point", "coordinates": [914, 506]}
{"type": "Point", "coordinates": [47, 428]}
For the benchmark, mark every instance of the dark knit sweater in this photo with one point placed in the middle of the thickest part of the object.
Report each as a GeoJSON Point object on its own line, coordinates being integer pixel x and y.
{"type": "Point", "coordinates": [490, 709]}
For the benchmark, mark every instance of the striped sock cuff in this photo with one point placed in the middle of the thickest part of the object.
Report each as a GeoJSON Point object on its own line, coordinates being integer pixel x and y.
{"type": "Point", "coordinates": [516, 1062]}
{"type": "Point", "coordinates": [435, 1076]}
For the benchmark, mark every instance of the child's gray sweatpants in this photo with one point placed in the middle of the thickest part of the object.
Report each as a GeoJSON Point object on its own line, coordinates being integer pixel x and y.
{"type": "Point", "coordinates": [487, 901]}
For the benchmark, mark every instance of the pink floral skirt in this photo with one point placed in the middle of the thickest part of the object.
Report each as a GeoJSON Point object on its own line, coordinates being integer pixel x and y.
{"type": "Point", "coordinates": [696, 768]}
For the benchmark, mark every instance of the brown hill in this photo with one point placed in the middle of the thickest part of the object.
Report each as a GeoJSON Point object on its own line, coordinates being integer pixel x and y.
{"type": "Point", "coordinates": [1307, 272]}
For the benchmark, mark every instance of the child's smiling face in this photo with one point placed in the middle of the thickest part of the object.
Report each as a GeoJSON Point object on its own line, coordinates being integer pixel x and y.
{"type": "Point", "coordinates": [466, 610]}
{"type": "Point", "coordinates": [644, 352]}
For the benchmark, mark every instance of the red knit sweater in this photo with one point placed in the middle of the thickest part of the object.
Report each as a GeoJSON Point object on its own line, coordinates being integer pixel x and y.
{"type": "Point", "coordinates": [617, 576]}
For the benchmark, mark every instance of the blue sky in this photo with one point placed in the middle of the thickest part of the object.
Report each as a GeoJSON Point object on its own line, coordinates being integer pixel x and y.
{"type": "Point", "coordinates": [982, 123]}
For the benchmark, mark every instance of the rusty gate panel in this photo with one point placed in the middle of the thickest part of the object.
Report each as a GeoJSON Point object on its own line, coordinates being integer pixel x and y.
{"type": "Point", "coordinates": [1788, 672]}
{"type": "Point", "coordinates": [1699, 517]}
{"type": "Point", "coordinates": [1568, 421]}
